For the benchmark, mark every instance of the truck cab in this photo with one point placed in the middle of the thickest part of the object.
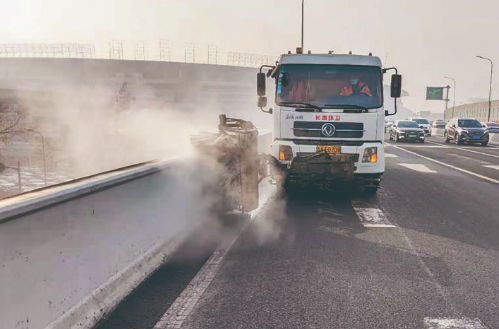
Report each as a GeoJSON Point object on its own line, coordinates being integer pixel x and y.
{"type": "Point", "coordinates": [328, 120]}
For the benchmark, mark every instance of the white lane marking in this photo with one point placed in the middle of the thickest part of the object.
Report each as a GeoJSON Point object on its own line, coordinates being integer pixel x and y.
{"type": "Point", "coordinates": [448, 323]}
{"type": "Point", "coordinates": [493, 166]}
{"type": "Point", "coordinates": [391, 155]}
{"type": "Point", "coordinates": [472, 151]}
{"type": "Point", "coordinates": [185, 303]}
{"type": "Point", "coordinates": [417, 167]}
{"type": "Point", "coordinates": [419, 146]}
{"type": "Point", "coordinates": [491, 146]}
{"type": "Point", "coordinates": [451, 166]}
{"type": "Point", "coordinates": [369, 216]}
{"type": "Point", "coordinates": [465, 157]}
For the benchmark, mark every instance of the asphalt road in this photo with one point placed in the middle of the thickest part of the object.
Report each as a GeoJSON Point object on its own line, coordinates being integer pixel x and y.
{"type": "Point", "coordinates": [423, 253]}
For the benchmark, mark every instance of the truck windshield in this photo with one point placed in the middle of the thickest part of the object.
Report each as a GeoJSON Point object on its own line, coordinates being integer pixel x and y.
{"type": "Point", "coordinates": [330, 85]}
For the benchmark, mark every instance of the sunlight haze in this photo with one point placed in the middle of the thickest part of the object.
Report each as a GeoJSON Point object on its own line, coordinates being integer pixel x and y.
{"type": "Point", "coordinates": [426, 39]}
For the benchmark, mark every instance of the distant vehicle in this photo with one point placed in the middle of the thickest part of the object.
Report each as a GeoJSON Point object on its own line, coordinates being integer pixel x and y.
{"type": "Point", "coordinates": [463, 130]}
{"type": "Point", "coordinates": [439, 124]}
{"type": "Point", "coordinates": [406, 130]}
{"type": "Point", "coordinates": [423, 124]}
{"type": "Point", "coordinates": [388, 125]}
{"type": "Point", "coordinates": [493, 127]}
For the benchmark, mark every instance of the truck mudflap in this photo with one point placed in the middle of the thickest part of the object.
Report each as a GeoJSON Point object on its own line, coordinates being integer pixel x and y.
{"type": "Point", "coordinates": [319, 166]}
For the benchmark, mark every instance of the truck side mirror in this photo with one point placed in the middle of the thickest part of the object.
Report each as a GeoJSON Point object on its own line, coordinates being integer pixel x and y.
{"type": "Point", "coordinates": [260, 85]}
{"type": "Point", "coordinates": [396, 86]}
{"type": "Point", "coordinates": [262, 101]}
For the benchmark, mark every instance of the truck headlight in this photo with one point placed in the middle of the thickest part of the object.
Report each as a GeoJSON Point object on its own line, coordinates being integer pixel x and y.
{"type": "Point", "coordinates": [370, 155]}
{"type": "Point", "coordinates": [285, 152]}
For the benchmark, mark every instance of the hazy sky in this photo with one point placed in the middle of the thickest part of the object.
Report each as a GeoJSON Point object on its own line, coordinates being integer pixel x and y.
{"type": "Point", "coordinates": [425, 39]}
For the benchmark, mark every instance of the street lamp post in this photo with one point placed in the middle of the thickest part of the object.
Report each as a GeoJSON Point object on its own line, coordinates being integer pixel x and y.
{"type": "Point", "coordinates": [302, 22]}
{"type": "Point", "coordinates": [43, 154]}
{"type": "Point", "coordinates": [490, 87]}
{"type": "Point", "coordinates": [454, 100]}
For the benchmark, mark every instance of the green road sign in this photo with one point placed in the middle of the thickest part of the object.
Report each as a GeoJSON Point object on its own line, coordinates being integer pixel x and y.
{"type": "Point", "coordinates": [435, 93]}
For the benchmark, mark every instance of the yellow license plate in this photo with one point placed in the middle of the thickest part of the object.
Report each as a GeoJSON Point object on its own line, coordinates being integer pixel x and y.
{"type": "Point", "coordinates": [329, 149]}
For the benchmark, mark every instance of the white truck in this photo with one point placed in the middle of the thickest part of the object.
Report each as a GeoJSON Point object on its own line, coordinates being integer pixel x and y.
{"type": "Point", "coordinates": [329, 118]}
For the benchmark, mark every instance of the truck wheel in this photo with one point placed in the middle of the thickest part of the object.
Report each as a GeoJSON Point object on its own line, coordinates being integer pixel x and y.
{"type": "Point", "coordinates": [484, 143]}
{"type": "Point", "coordinates": [370, 190]}
{"type": "Point", "coordinates": [397, 138]}
{"type": "Point", "coordinates": [447, 140]}
{"type": "Point", "coordinates": [458, 140]}
{"type": "Point", "coordinates": [290, 188]}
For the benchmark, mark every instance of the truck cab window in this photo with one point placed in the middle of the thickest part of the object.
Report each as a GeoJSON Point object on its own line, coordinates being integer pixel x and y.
{"type": "Point", "coordinates": [330, 84]}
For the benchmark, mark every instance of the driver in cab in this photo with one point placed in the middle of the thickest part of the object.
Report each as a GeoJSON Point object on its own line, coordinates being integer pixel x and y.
{"type": "Point", "coordinates": [355, 87]}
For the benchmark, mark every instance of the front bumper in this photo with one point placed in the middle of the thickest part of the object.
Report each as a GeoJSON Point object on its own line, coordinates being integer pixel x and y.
{"type": "Point", "coordinates": [346, 166]}
{"type": "Point", "coordinates": [407, 137]}
{"type": "Point", "coordinates": [470, 139]}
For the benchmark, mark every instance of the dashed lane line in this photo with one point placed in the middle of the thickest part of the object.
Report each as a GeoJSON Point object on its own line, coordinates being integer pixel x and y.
{"type": "Point", "coordinates": [419, 146]}
{"type": "Point", "coordinates": [391, 155]}
{"type": "Point", "coordinates": [449, 323]}
{"type": "Point", "coordinates": [374, 217]}
{"type": "Point", "coordinates": [417, 167]}
{"type": "Point", "coordinates": [370, 216]}
{"type": "Point", "coordinates": [469, 158]}
{"type": "Point", "coordinates": [492, 166]}
{"type": "Point", "coordinates": [449, 166]}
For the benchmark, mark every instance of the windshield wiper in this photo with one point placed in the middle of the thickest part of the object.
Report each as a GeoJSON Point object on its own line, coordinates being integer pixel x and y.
{"type": "Point", "coordinates": [338, 106]}
{"type": "Point", "coordinates": [303, 105]}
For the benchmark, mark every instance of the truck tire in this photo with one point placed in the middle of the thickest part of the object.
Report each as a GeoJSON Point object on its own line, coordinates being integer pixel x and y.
{"type": "Point", "coordinates": [370, 190]}
{"type": "Point", "coordinates": [446, 137]}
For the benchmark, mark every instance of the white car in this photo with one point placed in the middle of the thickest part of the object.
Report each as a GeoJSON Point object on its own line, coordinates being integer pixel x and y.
{"type": "Point", "coordinates": [423, 124]}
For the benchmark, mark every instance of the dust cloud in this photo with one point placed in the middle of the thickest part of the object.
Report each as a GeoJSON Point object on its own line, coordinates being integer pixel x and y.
{"type": "Point", "coordinates": [89, 135]}
{"type": "Point", "coordinates": [91, 128]}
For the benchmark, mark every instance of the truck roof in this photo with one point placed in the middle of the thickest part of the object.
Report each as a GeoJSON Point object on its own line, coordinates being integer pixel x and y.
{"type": "Point", "coordinates": [330, 59]}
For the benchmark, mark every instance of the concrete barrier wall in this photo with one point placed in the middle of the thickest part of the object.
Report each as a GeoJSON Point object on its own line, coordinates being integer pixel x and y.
{"type": "Point", "coordinates": [67, 264]}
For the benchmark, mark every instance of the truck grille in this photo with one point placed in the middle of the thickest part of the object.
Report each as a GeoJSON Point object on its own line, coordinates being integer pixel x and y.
{"type": "Point", "coordinates": [325, 142]}
{"type": "Point", "coordinates": [342, 129]}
